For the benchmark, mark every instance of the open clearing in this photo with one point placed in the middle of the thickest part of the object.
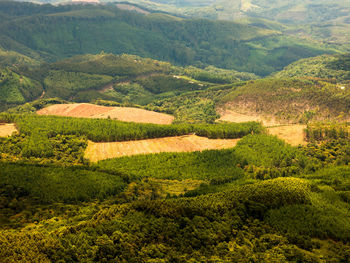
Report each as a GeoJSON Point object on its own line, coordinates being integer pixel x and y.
{"type": "Point", "coordinates": [292, 134]}
{"type": "Point", "coordinates": [187, 143]}
{"type": "Point", "coordinates": [7, 130]}
{"type": "Point", "coordinates": [233, 116]}
{"type": "Point", "coordinates": [85, 110]}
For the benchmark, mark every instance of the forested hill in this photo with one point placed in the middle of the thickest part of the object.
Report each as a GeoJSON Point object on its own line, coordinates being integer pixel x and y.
{"type": "Point", "coordinates": [121, 79]}
{"type": "Point", "coordinates": [331, 67]}
{"type": "Point", "coordinates": [50, 33]}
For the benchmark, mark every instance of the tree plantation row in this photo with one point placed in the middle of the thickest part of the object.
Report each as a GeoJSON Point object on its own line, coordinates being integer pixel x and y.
{"type": "Point", "coordinates": [111, 130]}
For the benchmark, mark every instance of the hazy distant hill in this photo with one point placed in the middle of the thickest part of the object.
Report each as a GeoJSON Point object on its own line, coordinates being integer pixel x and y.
{"type": "Point", "coordinates": [53, 32]}
{"type": "Point", "coordinates": [326, 21]}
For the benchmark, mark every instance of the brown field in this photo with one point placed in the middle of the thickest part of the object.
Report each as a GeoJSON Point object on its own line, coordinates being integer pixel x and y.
{"type": "Point", "coordinates": [233, 116]}
{"type": "Point", "coordinates": [7, 130]}
{"type": "Point", "coordinates": [292, 134]}
{"type": "Point", "coordinates": [188, 143]}
{"type": "Point", "coordinates": [85, 110]}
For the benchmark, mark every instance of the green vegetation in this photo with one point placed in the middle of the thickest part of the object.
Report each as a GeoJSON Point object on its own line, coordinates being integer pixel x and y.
{"type": "Point", "coordinates": [126, 79]}
{"type": "Point", "coordinates": [208, 165]}
{"type": "Point", "coordinates": [292, 100]}
{"type": "Point", "coordinates": [261, 201]}
{"type": "Point", "coordinates": [63, 84]}
{"type": "Point", "coordinates": [16, 89]}
{"type": "Point", "coordinates": [32, 107]}
{"type": "Point", "coordinates": [248, 204]}
{"type": "Point", "coordinates": [181, 41]}
{"type": "Point", "coordinates": [111, 130]}
{"type": "Point", "coordinates": [51, 184]}
{"type": "Point", "coordinates": [328, 143]}
{"type": "Point", "coordinates": [194, 107]}
{"type": "Point", "coordinates": [330, 68]}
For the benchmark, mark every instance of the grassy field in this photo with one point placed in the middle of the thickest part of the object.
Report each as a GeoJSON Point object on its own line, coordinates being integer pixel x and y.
{"type": "Point", "coordinates": [292, 134]}
{"type": "Point", "coordinates": [188, 143]}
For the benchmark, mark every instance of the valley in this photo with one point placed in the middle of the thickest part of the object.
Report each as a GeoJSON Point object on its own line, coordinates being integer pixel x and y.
{"type": "Point", "coordinates": [174, 131]}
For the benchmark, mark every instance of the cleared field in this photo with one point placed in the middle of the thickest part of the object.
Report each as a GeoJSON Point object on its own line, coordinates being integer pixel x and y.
{"type": "Point", "coordinates": [188, 143]}
{"type": "Point", "coordinates": [85, 110]}
{"type": "Point", "coordinates": [292, 134]}
{"type": "Point", "coordinates": [233, 116]}
{"type": "Point", "coordinates": [7, 129]}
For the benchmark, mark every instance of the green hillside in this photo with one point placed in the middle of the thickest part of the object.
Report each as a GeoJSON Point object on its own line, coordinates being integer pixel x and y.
{"type": "Point", "coordinates": [124, 79]}
{"type": "Point", "coordinates": [17, 89]}
{"type": "Point", "coordinates": [291, 100]}
{"type": "Point", "coordinates": [331, 68]}
{"type": "Point", "coordinates": [265, 84]}
{"type": "Point", "coordinates": [325, 21]}
{"type": "Point", "coordinates": [81, 29]}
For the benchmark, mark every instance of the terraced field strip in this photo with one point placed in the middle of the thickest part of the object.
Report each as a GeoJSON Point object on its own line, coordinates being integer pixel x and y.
{"type": "Point", "coordinates": [85, 110]}
{"type": "Point", "coordinates": [7, 129]}
{"type": "Point", "coordinates": [188, 143]}
{"type": "Point", "coordinates": [292, 134]}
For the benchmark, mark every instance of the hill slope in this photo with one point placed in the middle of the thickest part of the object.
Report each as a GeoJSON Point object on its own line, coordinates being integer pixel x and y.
{"type": "Point", "coordinates": [286, 101]}
{"type": "Point", "coordinates": [80, 29]}
{"type": "Point", "coordinates": [16, 89]}
{"type": "Point", "coordinates": [332, 68]}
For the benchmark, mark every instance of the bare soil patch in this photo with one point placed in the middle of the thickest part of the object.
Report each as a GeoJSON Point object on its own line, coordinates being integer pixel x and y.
{"type": "Point", "coordinates": [292, 134]}
{"type": "Point", "coordinates": [7, 129]}
{"type": "Point", "coordinates": [234, 116]}
{"type": "Point", "coordinates": [85, 110]}
{"type": "Point", "coordinates": [188, 143]}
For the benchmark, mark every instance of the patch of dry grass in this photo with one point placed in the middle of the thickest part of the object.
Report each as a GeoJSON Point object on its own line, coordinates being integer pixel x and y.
{"type": "Point", "coordinates": [188, 143]}
{"type": "Point", "coordinates": [7, 129]}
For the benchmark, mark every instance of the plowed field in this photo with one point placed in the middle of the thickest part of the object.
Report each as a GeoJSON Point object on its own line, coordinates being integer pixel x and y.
{"type": "Point", "coordinates": [187, 143]}
{"type": "Point", "coordinates": [85, 110]}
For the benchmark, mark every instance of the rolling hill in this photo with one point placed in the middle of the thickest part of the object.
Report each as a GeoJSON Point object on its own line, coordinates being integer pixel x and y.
{"type": "Point", "coordinates": [331, 68]}
{"type": "Point", "coordinates": [81, 29]}
{"type": "Point", "coordinates": [17, 89]}
{"type": "Point", "coordinates": [276, 101]}
{"type": "Point", "coordinates": [120, 79]}
{"type": "Point", "coordinates": [136, 134]}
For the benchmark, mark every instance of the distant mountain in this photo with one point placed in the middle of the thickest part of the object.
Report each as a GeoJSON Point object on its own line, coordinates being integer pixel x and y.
{"type": "Point", "coordinates": [46, 32]}
{"type": "Point", "coordinates": [325, 20]}
{"type": "Point", "coordinates": [292, 12]}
